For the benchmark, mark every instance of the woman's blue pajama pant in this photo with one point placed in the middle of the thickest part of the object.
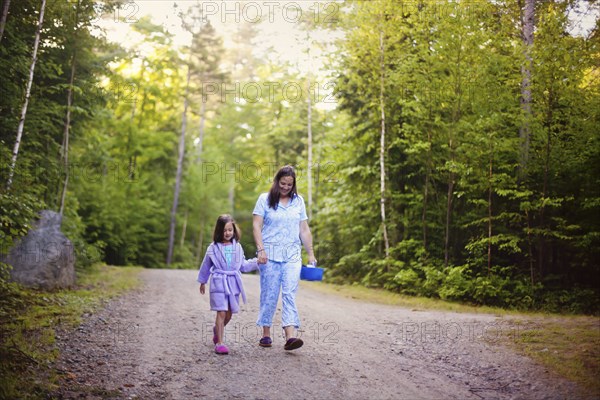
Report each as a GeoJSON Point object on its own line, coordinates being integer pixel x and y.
{"type": "Point", "coordinates": [273, 277]}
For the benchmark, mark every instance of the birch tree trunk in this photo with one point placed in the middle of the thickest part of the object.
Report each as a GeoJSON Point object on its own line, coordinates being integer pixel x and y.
{"type": "Point", "coordinates": [199, 249]}
{"type": "Point", "coordinates": [132, 165]}
{"type": "Point", "coordinates": [309, 140]}
{"type": "Point", "coordinates": [181, 154]}
{"type": "Point", "coordinates": [547, 152]}
{"type": "Point", "coordinates": [456, 115]}
{"type": "Point", "coordinates": [3, 18]}
{"type": "Point", "coordinates": [527, 23]}
{"type": "Point", "coordinates": [67, 127]}
{"type": "Point", "coordinates": [490, 209]}
{"type": "Point", "coordinates": [27, 95]}
{"type": "Point", "coordinates": [449, 198]}
{"type": "Point", "coordinates": [65, 146]}
{"type": "Point", "coordinates": [309, 149]}
{"type": "Point", "coordinates": [183, 231]}
{"type": "Point", "coordinates": [382, 145]}
{"type": "Point", "coordinates": [200, 243]}
{"type": "Point", "coordinates": [201, 130]}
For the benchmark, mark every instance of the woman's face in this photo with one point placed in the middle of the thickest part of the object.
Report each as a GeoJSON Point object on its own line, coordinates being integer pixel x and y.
{"type": "Point", "coordinates": [228, 232]}
{"type": "Point", "coordinates": [285, 185]}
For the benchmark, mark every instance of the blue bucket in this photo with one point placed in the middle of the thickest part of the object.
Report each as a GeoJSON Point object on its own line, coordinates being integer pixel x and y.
{"type": "Point", "coordinates": [311, 273]}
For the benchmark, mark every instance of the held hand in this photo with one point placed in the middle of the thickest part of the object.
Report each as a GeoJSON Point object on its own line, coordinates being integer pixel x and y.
{"type": "Point", "coordinates": [202, 288]}
{"type": "Point", "coordinates": [312, 260]}
{"type": "Point", "coordinates": [262, 257]}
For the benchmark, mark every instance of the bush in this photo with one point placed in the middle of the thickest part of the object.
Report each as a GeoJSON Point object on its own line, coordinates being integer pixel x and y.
{"type": "Point", "coordinates": [407, 281]}
{"type": "Point", "coordinates": [434, 279]}
{"type": "Point", "coordinates": [576, 300]}
{"type": "Point", "coordinates": [457, 285]}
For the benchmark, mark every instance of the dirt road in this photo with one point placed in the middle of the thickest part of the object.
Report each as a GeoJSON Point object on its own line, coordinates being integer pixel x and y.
{"type": "Point", "coordinates": [156, 343]}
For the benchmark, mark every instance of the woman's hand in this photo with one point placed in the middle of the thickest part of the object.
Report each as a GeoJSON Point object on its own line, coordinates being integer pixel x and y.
{"type": "Point", "coordinates": [262, 257]}
{"type": "Point", "coordinates": [202, 288]}
{"type": "Point", "coordinates": [257, 225]}
{"type": "Point", "coordinates": [306, 238]}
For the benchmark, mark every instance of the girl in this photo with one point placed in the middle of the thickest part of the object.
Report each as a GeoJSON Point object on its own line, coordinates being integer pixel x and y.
{"type": "Point", "coordinates": [223, 262]}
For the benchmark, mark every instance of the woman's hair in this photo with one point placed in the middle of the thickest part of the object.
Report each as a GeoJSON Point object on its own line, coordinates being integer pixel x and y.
{"type": "Point", "coordinates": [274, 194]}
{"type": "Point", "coordinates": [218, 235]}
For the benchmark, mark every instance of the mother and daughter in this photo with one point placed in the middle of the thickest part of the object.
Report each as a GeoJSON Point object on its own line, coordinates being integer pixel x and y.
{"type": "Point", "coordinates": [280, 227]}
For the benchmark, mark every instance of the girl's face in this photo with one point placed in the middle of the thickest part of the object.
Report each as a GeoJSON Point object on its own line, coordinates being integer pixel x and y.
{"type": "Point", "coordinates": [228, 232]}
{"type": "Point", "coordinates": [285, 185]}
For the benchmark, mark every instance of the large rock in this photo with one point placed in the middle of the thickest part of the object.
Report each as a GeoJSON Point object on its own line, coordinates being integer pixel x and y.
{"type": "Point", "coordinates": [44, 258]}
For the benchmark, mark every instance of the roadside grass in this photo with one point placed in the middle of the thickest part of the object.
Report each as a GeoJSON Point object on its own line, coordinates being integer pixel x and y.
{"type": "Point", "coordinates": [566, 345]}
{"type": "Point", "coordinates": [30, 319]}
{"type": "Point", "coordinates": [381, 296]}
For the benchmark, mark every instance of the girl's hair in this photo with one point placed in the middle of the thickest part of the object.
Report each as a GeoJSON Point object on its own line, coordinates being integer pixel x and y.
{"type": "Point", "coordinates": [274, 193]}
{"type": "Point", "coordinates": [218, 234]}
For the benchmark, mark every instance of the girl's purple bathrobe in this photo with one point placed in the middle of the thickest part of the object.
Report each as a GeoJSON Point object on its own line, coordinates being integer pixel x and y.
{"type": "Point", "coordinates": [225, 282]}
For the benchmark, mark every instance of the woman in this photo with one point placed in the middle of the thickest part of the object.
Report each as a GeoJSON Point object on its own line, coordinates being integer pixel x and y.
{"type": "Point", "coordinates": [280, 227]}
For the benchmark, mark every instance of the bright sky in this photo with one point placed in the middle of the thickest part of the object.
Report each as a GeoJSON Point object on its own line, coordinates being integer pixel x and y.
{"type": "Point", "coordinates": [279, 28]}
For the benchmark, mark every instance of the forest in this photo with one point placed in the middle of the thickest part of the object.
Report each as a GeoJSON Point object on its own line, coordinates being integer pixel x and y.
{"type": "Point", "coordinates": [446, 149]}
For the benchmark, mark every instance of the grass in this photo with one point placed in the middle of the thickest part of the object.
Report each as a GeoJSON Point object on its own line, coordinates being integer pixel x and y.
{"type": "Point", "coordinates": [381, 296]}
{"type": "Point", "coordinates": [29, 320]}
{"type": "Point", "coordinates": [566, 345]}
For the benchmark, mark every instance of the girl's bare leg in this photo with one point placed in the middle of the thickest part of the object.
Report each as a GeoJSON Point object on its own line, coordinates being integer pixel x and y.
{"type": "Point", "coordinates": [220, 325]}
{"type": "Point", "coordinates": [228, 316]}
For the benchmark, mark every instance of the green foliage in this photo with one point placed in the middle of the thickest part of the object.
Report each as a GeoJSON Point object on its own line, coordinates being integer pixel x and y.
{"type": "Point", "coordinates": [466, 223]}
{"type": "Point", "coordinates": [407, 282]}
{"type": "Point", "coordinates": [457, 284]}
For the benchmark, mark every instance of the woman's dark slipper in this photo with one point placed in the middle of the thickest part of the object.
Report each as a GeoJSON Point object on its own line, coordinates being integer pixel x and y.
{"type": "Point", "coordinates": [293, 343]}
{"type": "Point", "coordinates": [265, 342]}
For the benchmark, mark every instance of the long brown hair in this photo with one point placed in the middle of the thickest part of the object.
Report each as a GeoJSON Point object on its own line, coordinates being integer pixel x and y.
{"type": "Point", "coordinates": [274, 193]}
{"type": "Point", "coordinates": [218, 234]}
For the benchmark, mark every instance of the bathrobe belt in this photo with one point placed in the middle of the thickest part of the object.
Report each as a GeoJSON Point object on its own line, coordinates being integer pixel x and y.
{"type": "Point", "coordinates": [238, 278]}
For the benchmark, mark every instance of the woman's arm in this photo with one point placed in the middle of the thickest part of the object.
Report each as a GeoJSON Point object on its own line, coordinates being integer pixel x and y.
{"type": "Point", "coordinates": [257, 225]}
{"type": "Point", "coordinates": [306, 238]}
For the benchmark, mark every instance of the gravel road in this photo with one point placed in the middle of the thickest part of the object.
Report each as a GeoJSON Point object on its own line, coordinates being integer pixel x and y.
{"type": "Point", "coordinates": [156, 343]}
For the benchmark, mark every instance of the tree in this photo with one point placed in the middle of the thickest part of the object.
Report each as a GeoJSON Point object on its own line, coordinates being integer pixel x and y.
{"type": "Point", "coordinates": [382, 146]}
{"type": "Point", "coordinates": [3, 18]}
{"type": "Point", "coordinates": [527, 26]}
{"type": "Point", "coordinates": [180, 157]}
{"type": "Point", "coordinates": [36, 44]}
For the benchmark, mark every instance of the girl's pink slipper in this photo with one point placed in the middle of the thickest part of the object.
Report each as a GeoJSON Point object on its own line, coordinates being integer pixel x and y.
{"type": "Point", "coordinates": [221, 349]}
